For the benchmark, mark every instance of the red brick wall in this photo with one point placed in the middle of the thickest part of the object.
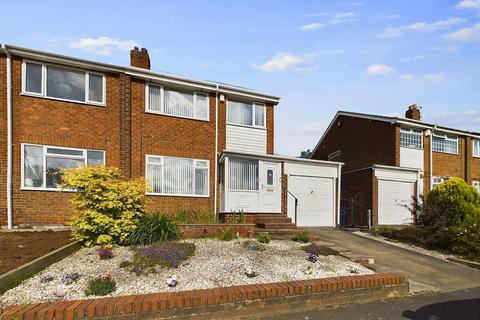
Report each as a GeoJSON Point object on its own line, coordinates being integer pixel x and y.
{"type": "Point", "coordinates": [59, 123]}
{"type": "Point", "coordinates": [362, 142]}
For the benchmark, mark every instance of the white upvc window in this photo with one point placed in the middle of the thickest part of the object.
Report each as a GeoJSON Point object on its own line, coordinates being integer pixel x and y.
{"type": "Point", "coordinates": [174, 176]}
{"type": "Point", "coordinates": [335, 156]}
{"type": "Point", "coordinates": [411, 138]}
{"type": "Point", "coordinates": [437, 180]}
{"type": "Point", "coordinates": [476, 147]}
{"type": "Point", "coordinates": [249, 114]}
{"type": "Point", "coordinates": [60, 83]}
{"type": "Point", "coordinates": [476, 184]}
{"type": "Point", "coordinates": [243, 174]}
{"type": "Point", "coordinates": [160, 100]}
{"type": "Point", "coordinates": [42, 165]}
{"type": "Point", "coordinates": [444, 143]}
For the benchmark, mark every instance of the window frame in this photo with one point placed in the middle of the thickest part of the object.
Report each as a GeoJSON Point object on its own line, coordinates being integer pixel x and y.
{"type": "Point", "coordinates": [413, 131]}
{"type": "Point", "coordinates": [473, 148]}
{"type": "Point", "coordinates": [258, 177]}
{"type": "Point", "coordinates": [147, 156]}
{"type": "Point", "coordinates": [438, 177]}
{"type": "Point", "coordinates": [162, 102]}
{"type": "Point", "coordinates": [476, 184]}
{"type": "Point", "coordinates": [44, 80]}
{"type": "Point", "coordinates": [44, 155]}
{"type": "Point", "coordinates": [254, 106]}
{"type": "Point", "coordinates": [445, 137]}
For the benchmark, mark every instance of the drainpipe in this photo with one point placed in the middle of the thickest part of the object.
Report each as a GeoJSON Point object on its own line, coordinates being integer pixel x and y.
{"type": "Point", "coordinates": [339, 182]}
{"type": "Point", "coordinates": [216, 156]}
{"type": "Point", "coordinates": [9, 139]}
{"type": "Point", "coordinates": [431, 158]}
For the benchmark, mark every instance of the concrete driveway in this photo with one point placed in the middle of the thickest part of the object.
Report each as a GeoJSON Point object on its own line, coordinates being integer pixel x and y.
{"type": "Point", "coordinates": [425, 273]}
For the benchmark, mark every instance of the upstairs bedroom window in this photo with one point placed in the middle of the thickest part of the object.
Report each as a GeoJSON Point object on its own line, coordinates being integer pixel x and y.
{"type": "Point", "coordinates": [411, 138]}
{"type": "Point", "coordinates": [246, 114]}
{"type": "Point", "coordinates": [476, 147]}
{"type": "Point", "coordinates": [60, 83]}
{"type": "Point", "coordinates": [42, 165]}
{"type": "Point", "coordinates": [164, 101]}
{"type": "Point", "coordinates": [445, 143]}
{"type": "Point", "coordinates": [178, 176]}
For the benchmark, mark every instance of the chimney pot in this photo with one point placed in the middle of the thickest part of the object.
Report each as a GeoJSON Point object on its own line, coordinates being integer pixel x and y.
{"type": "Point", "coordinates": [140, 58]}
{"type": "Point", "coordinates": [413, 112]}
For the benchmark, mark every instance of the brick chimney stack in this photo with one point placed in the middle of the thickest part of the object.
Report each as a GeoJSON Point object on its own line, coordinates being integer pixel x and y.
{"type": "Point", "coordinates": [140, 58]}
{"type": "Point", "coordinates": [413, 112]}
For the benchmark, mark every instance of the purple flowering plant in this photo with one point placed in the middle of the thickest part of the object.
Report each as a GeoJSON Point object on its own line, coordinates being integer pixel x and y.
{"type": "Point", "coordinates": [165, 254]}
{"type": "Point", "coordinates": [105, 253]}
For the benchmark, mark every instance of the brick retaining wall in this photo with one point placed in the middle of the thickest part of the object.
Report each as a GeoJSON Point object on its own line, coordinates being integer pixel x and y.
{"type": "Point", "coordinates": [160, 304]}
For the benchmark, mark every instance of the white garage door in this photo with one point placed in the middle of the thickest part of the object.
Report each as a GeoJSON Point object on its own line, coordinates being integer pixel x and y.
{"type": "Point", "coordinates": [315, 201]}
{"type": "Point", "coordinates": [393, 196]}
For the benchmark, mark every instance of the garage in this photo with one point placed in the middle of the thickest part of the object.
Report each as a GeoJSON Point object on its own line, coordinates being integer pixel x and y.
{"type": "Point", "coordinates": [396, 188]}
{"type": "Point", "coordinates": [314, 185]}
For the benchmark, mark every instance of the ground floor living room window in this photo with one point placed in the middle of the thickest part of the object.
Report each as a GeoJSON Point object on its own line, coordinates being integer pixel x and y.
{"type": "Point", "coordinates": [42, 164]}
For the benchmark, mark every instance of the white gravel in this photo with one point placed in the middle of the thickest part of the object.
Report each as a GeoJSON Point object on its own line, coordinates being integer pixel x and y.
{"type": "Point", "coordinates": [214, 264]}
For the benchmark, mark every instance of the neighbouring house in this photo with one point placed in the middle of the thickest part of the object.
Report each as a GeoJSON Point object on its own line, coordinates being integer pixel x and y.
{"type": "Point", "coordinates": [390, 160]}
{"type": "Point", "coordinates": [201, 145]}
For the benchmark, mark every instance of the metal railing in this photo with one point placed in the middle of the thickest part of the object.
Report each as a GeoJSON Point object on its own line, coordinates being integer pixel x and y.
{"type": "Point", "coordinates": [296, 205]}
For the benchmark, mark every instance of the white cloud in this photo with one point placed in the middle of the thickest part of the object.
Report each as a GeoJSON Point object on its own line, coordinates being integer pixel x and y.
{"type": "Point", "coordinates": [470, 34]}
{"type": "Point", "coordinates": [103, 45]}
{"type": "Point", "coordinates": [434, 77]}
{"type": "Point", "coordinates": [283, 61]}
{"type": "Point", "coordinates": [329, 18]}
{"type": "Point", "coordinates": [420, 27]}
{"type": "Point", "coordinates": [414, 58]}
{"type": "Point", "coordinates": [406, 77]}
{"type": "Point", "coordinates": [312, 26]}
{"type": "Point", "coordinates": [379, 69]}
{"type": "Point", "coordinates": [468, 4]}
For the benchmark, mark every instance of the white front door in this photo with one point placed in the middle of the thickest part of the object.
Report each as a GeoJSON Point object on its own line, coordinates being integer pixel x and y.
{"type": "Point", "coordinates": [269, 187]}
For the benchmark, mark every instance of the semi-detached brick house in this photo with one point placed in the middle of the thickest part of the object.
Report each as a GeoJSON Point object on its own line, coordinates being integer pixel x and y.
{"type": "Point", "coordinates": [201, 145]}
{"type": "Point", "coordinates": [389, 160]}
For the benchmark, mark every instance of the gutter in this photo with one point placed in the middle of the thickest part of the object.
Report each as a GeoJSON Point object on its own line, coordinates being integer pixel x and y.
{"type": "Point", "coordinates": [9, 139]}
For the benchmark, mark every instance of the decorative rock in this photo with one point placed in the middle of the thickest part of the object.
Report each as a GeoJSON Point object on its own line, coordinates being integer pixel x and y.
{"type": "Point", "coordinates": [172, 281]}
{"type": "Point", "coordinates": [308, 271]}
{"type": "Point", "coordinates": [250, 273]}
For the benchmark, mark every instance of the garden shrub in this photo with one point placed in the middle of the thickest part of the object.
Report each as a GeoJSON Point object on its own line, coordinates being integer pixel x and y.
{"type": "Point", "coordinates": [153, 227]}
{"type": "Point", "coordinates": [449, 218]}
{"type": "Point", "coordinates": [100, 286]}
{"type": "Point", "coordinates": [105, 253]}
{"type": "Point", "coordinates": [183, 216]}
{"type": "Point", "coordinates": [302, 237]}
{"type": "Point", "coordinates": [263, 237]}
{"type": "Point", "coordinates": [107, 207]}
{"type": "Point", "coordinates": [164, 254]}
{"type": "Point", "coordinates": [253, 245]}
{"type": "Point", "coordinates": [227, 235]}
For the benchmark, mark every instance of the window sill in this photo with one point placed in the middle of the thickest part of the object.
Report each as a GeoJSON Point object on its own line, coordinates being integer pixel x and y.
{"type": "Point", "coordinates": [174, 116]}
{"type": "Point", "coordinates": [445, 152]}
{"type": "Point", "coordinates": [245, 126]}
{"type": "Point", "coordinates": [44, 189]}
{"type": "Point", "coordinates": [89, 103]}
{"type": "Point", "coordinates": [177, 195]}
{"type": "Point", "coordinates": [412, 148]}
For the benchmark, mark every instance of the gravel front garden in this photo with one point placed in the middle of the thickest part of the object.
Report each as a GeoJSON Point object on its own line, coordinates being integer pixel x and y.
{"type": "Point", "coordinates": [214, 263]}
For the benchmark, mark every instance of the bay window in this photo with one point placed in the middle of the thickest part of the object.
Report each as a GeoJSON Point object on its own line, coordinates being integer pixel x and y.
{"type": "Point", "coordinates": [476, 147]}
{"type": "Point", "coordinates": [42, 165]}
{"type": "Point", "coordinates": [177, 176]}
{"type": "Point", "coordinates": [176, 103]}
{"type": "Point", "coordinates": [444, 143]}
{"type": "Point", "coordinates": [247, 114]}
{"type": "Point", "coordinates": [243, 174]}
{"type": "Point", "coordinates": [411, 138]}
{"type": "Point", "coordinates": [63, 83]}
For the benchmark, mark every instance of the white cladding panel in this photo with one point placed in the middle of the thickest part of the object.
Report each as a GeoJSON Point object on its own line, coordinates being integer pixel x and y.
{"type": "Point", "coordinates": [393, 197]}
{"type": "Point", "coordinates": [246, 139]}
{"type": "Point", "coordinates": [314, 170]}
{"type": "Point", "coordinates": [394, 174]}
{"type": "Point", "coordinates": [316, 201]}
{"type": "Point", "coordinates": [411, 158]}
